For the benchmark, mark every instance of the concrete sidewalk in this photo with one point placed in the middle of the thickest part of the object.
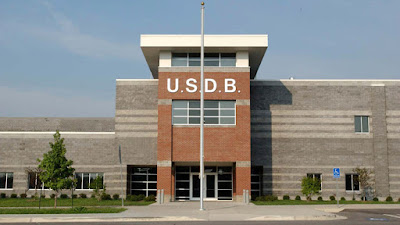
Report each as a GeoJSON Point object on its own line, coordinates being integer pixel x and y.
{"type": "Point", "coordinates": [186, 211]}
{"type": "Point", "coordinates": [189, 211]}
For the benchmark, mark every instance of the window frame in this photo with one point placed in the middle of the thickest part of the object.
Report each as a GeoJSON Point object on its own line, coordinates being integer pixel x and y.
{"type": "Point", "coordinates": [147, 181]}
{"type": "Point", "coordinates": [361, 124]}
{"type": "Point", "coordinates": [6, 181]}
{"type": "Point", "coordinates": [352, 182]}
{"type": "Point", "coordinates": [188, 116]}
{"type": "Point", "coordinates": [313, 176]}
{"type": "Point", "coordinates": [43, 186]}
{"type": "Point", "coordinates": [88, 189]}
{"type": "Point", "coordinates": [188, 59]}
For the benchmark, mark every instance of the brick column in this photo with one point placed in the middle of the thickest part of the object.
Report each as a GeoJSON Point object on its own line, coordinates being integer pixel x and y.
{"type": "Point", "coordinates": [242, 179]}
{"type": "Point", "coordinates": [164, 148]}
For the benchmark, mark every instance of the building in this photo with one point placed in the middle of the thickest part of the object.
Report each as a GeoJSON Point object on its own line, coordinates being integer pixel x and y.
{"type": "Point", "coordinates": [261, 136]}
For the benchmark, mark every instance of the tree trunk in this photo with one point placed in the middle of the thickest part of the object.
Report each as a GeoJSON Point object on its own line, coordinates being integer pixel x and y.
{"type": "Point", "coordinates": [55, 201]}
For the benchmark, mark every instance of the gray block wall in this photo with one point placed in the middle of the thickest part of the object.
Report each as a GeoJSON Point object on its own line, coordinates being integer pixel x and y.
{"type": "Point", "coordinates": [301, 127]}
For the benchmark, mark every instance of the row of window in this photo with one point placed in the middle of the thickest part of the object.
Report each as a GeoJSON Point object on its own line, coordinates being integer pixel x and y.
{"type": "Point", "coordinates": [84, 180]}
{"type": "Point", "coordinates": [215, 112]}
{"type": "Point", "coordinates": [210, 59]}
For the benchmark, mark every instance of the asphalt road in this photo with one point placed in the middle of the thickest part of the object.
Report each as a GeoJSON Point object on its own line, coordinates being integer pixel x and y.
{"type": "Point", "coordinates": [355, 217]}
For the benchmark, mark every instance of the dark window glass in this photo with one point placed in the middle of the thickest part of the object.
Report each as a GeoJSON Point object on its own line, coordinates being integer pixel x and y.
{"type": "Point", "coordinates": [10, 180]}
{"type": "Point", "coordinates": [210, 104]}
{"type": "Point", "coordinates": [78, 177]}
{"type": "Point", "coordinates": [194, 112]}
{"type": "Point", "coordinates": [209, 169]}
{"type": "Point", "coordinates": [255, 178]}
{"type": "Point", "coordinates": [357, 123]}
{"type": "Point", "coordinates": [153, 170]}
{"type": "Point", "coordinates": [348, 182]}
{"type": "Point", "coordinates": [228, 59]}
{"type": "Point", "coordinates": [154, 193]}
{"type": "Point", "coordinates": [152, 186]}
{"type": "Point", "coordinates": [152, 177]}
{"type": "Point", "coordinates": [211, 59]}
{"type": "Point", "coordinates": [365, 127]}
{"type": "Point", "coordinates": [139, 177]}
{"type": "Point", "coordinates": [224, 194]}
{"type": "Point", "coordinates": [356, 186]}
{"type": "Point", "coordinates": [182, 176]}
{"type": "Point", "coordinates": [86, 181]}
{"type": "Point", "coordinates": [255, 186]}
{"type": "Point", "coordinates": [194, 59]}
{"type": "Point", "coordinates": [224, 185]}
{"type": "Point", "coordinates": [182, 193]}
{"type": "Point", "coordinates": [211, 120]}
{"type": "Point", "coordinates": [210, 112]}
{"type": "Point", "coordinates": [194, 120]}
{"type": "Point", "coordinates": [224, 169]}
{"type": "Point", "coordinates": [224, 176]}
{"type": "Point", "coordinates": [2, 180]}
{"type": "Point", "coordinates": [182, 185]}
{"type": "Point", "coordinates": [139, 185]}
{"type": "Point", "coordinates": [182, 169]}
{"type": "Point", "coordinates": [179, 59]}
{"type": "Point", "coordinates": [138, 192]}
{"type": "Point", "coordinates": [195, 168]}
{"type": "Point", "coordinates": [194, 104]}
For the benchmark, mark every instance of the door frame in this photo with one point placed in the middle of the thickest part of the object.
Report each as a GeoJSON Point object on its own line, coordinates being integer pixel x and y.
{"type": "Point", "coordinates": [205, 185]}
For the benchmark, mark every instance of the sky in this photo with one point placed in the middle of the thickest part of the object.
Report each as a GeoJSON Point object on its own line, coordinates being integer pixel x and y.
{"type": "Point", "coordinates": [61, 58]}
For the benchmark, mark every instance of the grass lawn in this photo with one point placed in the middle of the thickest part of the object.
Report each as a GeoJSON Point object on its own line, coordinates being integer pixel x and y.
{"type": "Point", "coordinates": [302, 202]}
{"type": "Point", "coordinates": [78, 210]}
{"type": "Point", "coordinates": [18, 202]}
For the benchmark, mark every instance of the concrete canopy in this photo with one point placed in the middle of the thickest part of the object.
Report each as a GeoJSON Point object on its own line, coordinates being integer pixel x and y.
{"type": "Point", "coordinates": [255, 45]}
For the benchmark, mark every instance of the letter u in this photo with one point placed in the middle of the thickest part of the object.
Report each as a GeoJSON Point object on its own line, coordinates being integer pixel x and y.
{"type": "Point", "coordinates": [176, 85]}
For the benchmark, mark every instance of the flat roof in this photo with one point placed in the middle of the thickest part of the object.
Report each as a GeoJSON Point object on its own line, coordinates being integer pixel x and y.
{"type": "Point", "coordinates": [255, 44]}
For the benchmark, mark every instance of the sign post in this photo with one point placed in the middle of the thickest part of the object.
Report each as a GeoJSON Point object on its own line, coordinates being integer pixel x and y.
{"type": "Point", "coordinates": [336, 174]}
{"type": "Point", "coordinates": [120, 169]}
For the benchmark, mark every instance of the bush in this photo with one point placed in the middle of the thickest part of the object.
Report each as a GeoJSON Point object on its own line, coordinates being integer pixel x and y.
{"type": "Point", "coordinates": [286, 197]}
{"type": "Point", "coordinates": [82, 195]}
{"type": "Point", "coordinates": [398, 200]}
{"type": "Point", "coordinates": [52, 196]}
{"type": "Point", "coordinates": [93, 196]}
{"type": "Point", "coordinates": [150, 198]}
{"type": "Point", "coordinates": [332, 198]}
{"type": "Point", "coordinates": [115, 196]}
{"type": "Point", "coordinates": [105, 196]}
{"type": "Point", "coordinates": [268, 198]}
{"type": "Point", "coordinates": [3, 195]}
{"type": "Point", "coordinates": [43, 196]}
{"type": "Point", "coordinates": [389, 199]}
{"type": "Point", "coordinates": [74, 196]}
{"type": "Point", "coordinates": [22, 195]}
{"type": "Point", "coordinates": [79, 209]}
{"type": "Point", "coordinates": [63, 196]}
{"type": "Point", "coordinates": [375, 199]}
{"type": "Point", "coordinates": [319, 198]}
{"type": "Point", "coordinates": [298, 198]}
{"type": "Point", "coordinates": [14, 195]}
{"type": "Point", "coordinates": [342, 199]}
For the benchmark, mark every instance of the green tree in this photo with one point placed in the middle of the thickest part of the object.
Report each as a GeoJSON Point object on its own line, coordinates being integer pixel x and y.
{"type": "Point", "coordinates": [57, 172]}
{"type": "Point", "coordinates": [364, 178]}
{"type": "Point", "coordinates": [99, 190]}
{"type": "Point", "coordinates": [310, 186]}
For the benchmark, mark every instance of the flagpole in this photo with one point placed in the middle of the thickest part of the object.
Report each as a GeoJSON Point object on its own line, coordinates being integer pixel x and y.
{"type": "Point", "coordinates": [202, 110]}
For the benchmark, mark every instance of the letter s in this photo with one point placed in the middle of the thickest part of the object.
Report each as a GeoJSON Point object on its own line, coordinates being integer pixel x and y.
{"type": "Point", "coordinates": [191, 83]}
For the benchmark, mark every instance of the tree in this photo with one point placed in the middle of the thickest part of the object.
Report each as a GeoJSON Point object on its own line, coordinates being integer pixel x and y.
{"type": "Point", "coordinates": [363, 178]}
{"type": "Point", "coordinates": [310, 186]}
{"type": "Point", "coordinates": [99, 190]}
{"type": "Point", "coordinates": [57, 172]}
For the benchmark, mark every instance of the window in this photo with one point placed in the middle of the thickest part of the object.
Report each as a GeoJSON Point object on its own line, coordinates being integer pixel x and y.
{"type": "Point", "coordinates": [361, 124]}
{"type": "Point", "coordinates": [316, 176]}
{"type": "Point", "coordinates": [210, 59]}
{"type": "Point", "coordinates": [215, 112]}
{"type": "Point", "coordinates": [352, 183]}
{"type": "Point", "coordinates": [34, 181]}
{"type": "Point", "coordinates": [83, 180]}
{"type": "Point", "coordinates": [6, 180]}
{"type": "Point", "coordinates": [256, 181]}
{"type": "Point", "coordinates": [144, 181]}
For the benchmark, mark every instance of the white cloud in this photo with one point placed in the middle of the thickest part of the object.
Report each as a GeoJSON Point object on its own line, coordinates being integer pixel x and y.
{"type": "Point", "coordinates": [36, 103]}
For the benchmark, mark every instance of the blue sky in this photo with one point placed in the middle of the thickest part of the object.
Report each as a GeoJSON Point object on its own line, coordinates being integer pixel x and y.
{"type": "Point", "coordinates": [61, 58]}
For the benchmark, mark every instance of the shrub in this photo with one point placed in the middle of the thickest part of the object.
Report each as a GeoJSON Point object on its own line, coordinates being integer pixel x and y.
{"type": "Point", "coordinates": [105, 196]}
{"type": "Point", "coordinates": [14, 195]}
{"type": "Point", "coordinates": [319, 198]}
{"type": "Point", "coordinates": [310, 187]}
{"type": "Point", "coordinates": [332, 198]}
{"type": "Point", "coordinates": [135, 198]}
{"type": "Point", "coordinates": [43, 196]}
{"type": "Point", "coordinates": [22, 195]}
{"type": "Point", "coordinates": [141, 197]}
{"type": "Point", "coordinates": [74, 196]}
{"type": "Point", "coordinates": [398, 200]}
{"type": "Point", "coordinates": [286, 197]}
{"type": "Point", "coordinates": [115, 196]}
{"type": "Point", "coordinates": [298, 198]}
{"type": "Point", "coordinates": [93, 196]}
{"type": "Point", "coordinates": [79, 209]}
{"type": "Point", "coordinates": [353, 198]}
{"type": "Point", "coordinates": [150, 198]}
{"type": "Point", "coordinates": [52, 196]}
{"type": "Point", "coordinates": [389, 199]}
{"type": "Point", "coordinates": [375, 199]}
{"type": "Point", "coordinates": [270, 198]}
{"type": "Point", "coordinates": [3, 195]}
{"type": "Point", "coordinates": [82, 195]}
{"type": "Point", "coordinates": [259, 198]}
{"type": "Point", "coordinates": [342, 199]}
{"type": "Point", "coordinates": [64, 196]}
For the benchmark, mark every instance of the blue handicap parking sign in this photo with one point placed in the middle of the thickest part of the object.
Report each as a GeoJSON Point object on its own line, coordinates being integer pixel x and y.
{"type": "Point", "coordinates": [336, 173]}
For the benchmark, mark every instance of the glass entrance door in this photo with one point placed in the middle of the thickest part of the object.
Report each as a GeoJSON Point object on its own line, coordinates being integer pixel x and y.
{"type": "Point", "coordinates": [209, 182]}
